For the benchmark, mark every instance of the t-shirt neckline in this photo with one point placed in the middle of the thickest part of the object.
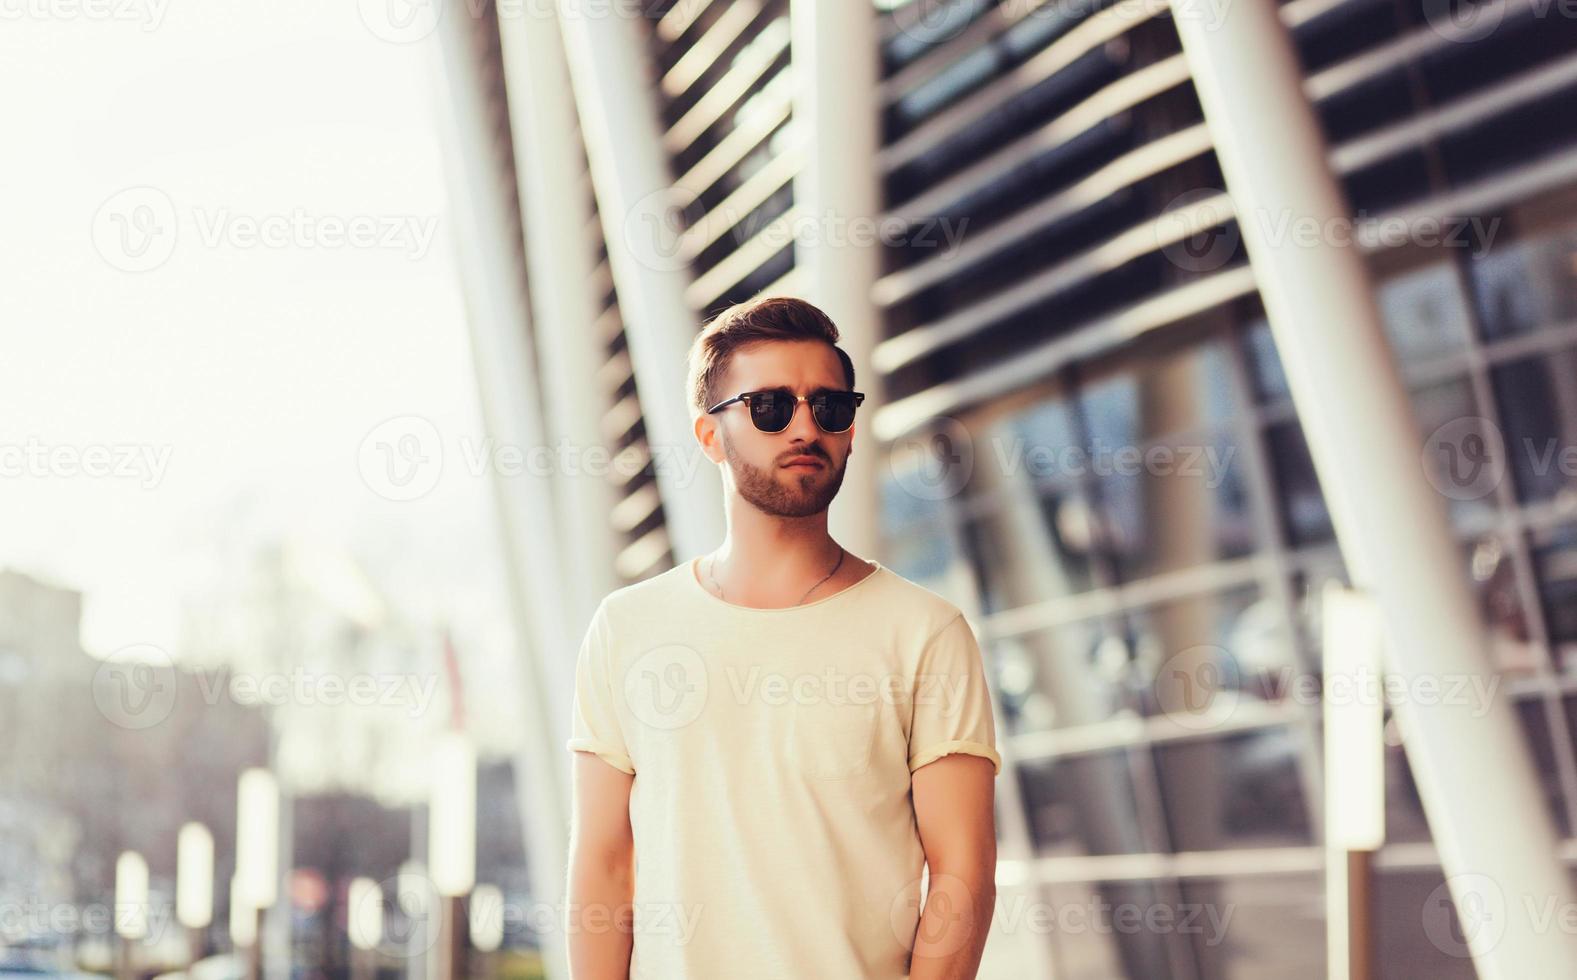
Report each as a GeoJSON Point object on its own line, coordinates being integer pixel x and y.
{"type": "Point", "coordinates": [693, 573]}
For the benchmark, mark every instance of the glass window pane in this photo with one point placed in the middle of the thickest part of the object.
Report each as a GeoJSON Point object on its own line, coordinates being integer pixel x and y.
{"type": "Point", "coordinates": [1175, 504]}
{"type": "Point", "coordinates": [1031, 546]}
{"type": "Point", "coordinates": [1245, 790]}
{"type": "Point", "coordinates": [1534, 721]}
{"type": "Point", "coordinates": [1512, 646]}
{"type": "Point", "coordinates": [1082, 805]}
{"type": "Point", "coordinates": [1448, 417]}
{"type": "Point", "coordinates": [1190, 654]}
{"type": "Point", "coordinates": [1255, 927]}
{"type": "Point", "coordinates": [1417, 932]}
{"type": "Point", "coordinates": [1426, 315]}
{"type": "Point", "coordinates": [1538, 413]}
{"type": "Point", "coordinates": [1064, 677]}
{"type": "Point", "coordinates": [1101, 930]}
{"type": "Point", "coordinates": [1555, 565]}
{"type": "Point", "coordinates": [1526, 285]}
{"type": "Point", "coordinates": [1184, 390]}
{"type": "Point", "coordinates": [1304, 517]}
{"type": "Point", "coordinates": [1270, 381]}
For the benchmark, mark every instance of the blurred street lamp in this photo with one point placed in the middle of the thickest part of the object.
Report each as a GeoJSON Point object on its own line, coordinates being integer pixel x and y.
{"type": "Point", "coordinates": [1354, 718]}
{"type": "Point", "coordinates": [194, 883]}
{"type": "Point", "coordinates": [243, 918]}
{"type": "Point", "coordinates": [451, 842]}
{"type": "Point", "coordinates": [364, 925]}
{"type": "Point", "coordinates": [131, 908]}
{"type": "Point", "coordinates": [257, 853]}
{"type": "Point", "coordinates": [487, 925]}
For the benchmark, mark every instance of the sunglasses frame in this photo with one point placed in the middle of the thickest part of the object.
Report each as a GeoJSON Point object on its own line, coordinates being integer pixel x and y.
{"type": "Point", "coordinates": [745, 396]}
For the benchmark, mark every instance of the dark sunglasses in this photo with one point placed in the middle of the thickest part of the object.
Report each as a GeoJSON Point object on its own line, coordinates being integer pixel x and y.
{"type": "Point", "coordinates": [773, 409]}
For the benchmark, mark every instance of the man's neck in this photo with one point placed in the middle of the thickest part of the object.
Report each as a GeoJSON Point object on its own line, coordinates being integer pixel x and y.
{"type": "Point", "coordinates": [771, 561]}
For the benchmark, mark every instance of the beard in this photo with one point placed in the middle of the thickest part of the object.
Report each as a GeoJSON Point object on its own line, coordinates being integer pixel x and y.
{"type": "Point", "coordinates": [802, 495]}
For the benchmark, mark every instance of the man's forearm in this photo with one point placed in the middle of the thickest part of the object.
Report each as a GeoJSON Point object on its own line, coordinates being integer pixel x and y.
{"type": "Point", "coordinates": [599, 918]}
{"type": "Point", "coordinates": [954, 924]}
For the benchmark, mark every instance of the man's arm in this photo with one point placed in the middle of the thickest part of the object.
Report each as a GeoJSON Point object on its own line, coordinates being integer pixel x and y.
{"type": "Point", "coordinates": [953, 806]}
{"type": "Point", "coordinates": [601, 872]}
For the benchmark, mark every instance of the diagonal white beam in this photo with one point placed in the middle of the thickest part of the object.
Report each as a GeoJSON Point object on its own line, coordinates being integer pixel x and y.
{"type": "Point", "coordinates": [560, 266]}
{"type": "Point", "coordinates": [487, 245]}
{"type": "Point", "coordinates": [641, 215]}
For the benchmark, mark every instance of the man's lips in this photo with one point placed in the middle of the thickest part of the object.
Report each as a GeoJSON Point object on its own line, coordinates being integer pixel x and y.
{"type": "Point", "coordinates": [805, 461]}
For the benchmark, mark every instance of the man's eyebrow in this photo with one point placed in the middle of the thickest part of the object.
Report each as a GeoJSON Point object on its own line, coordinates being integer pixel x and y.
{"type": "Point", "coordinates": [819, 389]}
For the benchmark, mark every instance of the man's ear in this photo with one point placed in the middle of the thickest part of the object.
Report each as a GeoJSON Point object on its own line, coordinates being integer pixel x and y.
{"type": "Point", "coordinates": [706, 434]}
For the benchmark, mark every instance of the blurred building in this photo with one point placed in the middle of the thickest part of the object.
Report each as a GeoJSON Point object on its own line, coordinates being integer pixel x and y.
{"type": "Point", "coordinates": [1029, 156]}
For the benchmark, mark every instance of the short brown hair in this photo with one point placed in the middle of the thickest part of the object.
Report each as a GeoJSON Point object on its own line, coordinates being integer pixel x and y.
{"type": "Point", "coordinates": [758, 320]}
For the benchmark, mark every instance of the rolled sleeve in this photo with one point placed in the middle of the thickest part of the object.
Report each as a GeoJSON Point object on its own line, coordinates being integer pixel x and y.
{"type": "Point", "coordinates": [952, 702]}
{"type": "Point", "coordinates": [595, 724]}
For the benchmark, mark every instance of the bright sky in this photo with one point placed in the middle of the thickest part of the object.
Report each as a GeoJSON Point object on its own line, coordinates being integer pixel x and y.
{"type": "Point", "coordinates": [234, 380]}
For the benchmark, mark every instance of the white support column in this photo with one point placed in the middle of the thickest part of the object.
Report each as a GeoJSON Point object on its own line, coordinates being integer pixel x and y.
{"type": "Point", "coordinates": [560, 264]}
{"type": "Point", "coordinates": [500, 327]}
{"type": "Point", "coordinates": [640, 210]}
{"type": "Point", "coordinates": [1496, 841]}
{"type": "Point", "coordinates": [836, 54]}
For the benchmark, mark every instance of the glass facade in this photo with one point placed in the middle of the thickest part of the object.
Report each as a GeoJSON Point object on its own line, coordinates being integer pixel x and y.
{"type": "Point", "coordinates": [1100, 458]}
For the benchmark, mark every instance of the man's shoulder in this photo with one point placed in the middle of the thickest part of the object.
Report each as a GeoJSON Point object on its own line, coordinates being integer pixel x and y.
{"type": "Point", "coordinates": [919, 604]}
{"type": "Point", "coordinates": [654, 591]}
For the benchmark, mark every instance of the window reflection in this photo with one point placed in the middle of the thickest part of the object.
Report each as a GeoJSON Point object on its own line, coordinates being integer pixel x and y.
{"type": "Point", "coordinates": [1256, 926]}
{"type": "Point", "coordinates": [1538, 410]}
{"type": "Point", "coordinates": [1185, 506]}
{"type": "Point", "coordinates": [1245, 790]}
{"type": "Point", "coordinates": [1450, 405]}
{"type": "Point", "coordinates": [1426, 314]}
{"type": "Point", "coordinates": [1101, 930]}
{"type": "Point", "coordinates": [1269, 380]}
{"type": "Point", "coordinates": [1527, 285]}
{"type": "Point", "coordinates": [1555, 565]}
{"type": "Point", "coordinates": [1249, 643]}
{"type": "Point", "coordinates": [1415, 921]}
{"type": "Point", "coordinates": [1064, 677]}
{"type": "Point", "coordinates": [1512, 647]}
{"type": "Point", "coordinates": [1304, 517]}
{"type": "Point", "coordinates": [1031, 547]}
{"type": "Point", "coordinates": [1083, 805]}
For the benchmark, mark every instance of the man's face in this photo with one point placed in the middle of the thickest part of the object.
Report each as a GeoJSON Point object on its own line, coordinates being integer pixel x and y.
{"type": "Point", "coordinates": [759, 462]}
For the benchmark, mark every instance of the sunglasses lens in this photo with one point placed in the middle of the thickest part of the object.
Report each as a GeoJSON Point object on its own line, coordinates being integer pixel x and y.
{"type": "Point", "coordinates": [770, 411]}
{"type": "Point", "coordinates": [834, 410]}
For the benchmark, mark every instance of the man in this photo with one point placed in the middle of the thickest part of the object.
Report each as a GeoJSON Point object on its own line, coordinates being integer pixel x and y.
{"type": "Point", "coordinates": [771, 741]}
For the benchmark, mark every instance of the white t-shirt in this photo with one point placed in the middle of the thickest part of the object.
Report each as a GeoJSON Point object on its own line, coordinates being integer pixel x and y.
{"type": "Point", "coordinates": [772, 749]}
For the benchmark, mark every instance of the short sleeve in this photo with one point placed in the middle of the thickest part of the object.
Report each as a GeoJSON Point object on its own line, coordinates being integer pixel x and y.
{"type": "Point", "coordinates": [952, 704]}
{"type": "Point", "coordinates": [595, 721]}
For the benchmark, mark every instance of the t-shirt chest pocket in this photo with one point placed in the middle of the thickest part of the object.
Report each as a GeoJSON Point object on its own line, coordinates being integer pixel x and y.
{"type": "Point", "coordinates": [832, 740]}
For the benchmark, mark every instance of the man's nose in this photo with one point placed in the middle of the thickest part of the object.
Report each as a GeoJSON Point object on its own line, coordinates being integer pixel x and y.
{"type": "Point", "coordinates": [803, 425]}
